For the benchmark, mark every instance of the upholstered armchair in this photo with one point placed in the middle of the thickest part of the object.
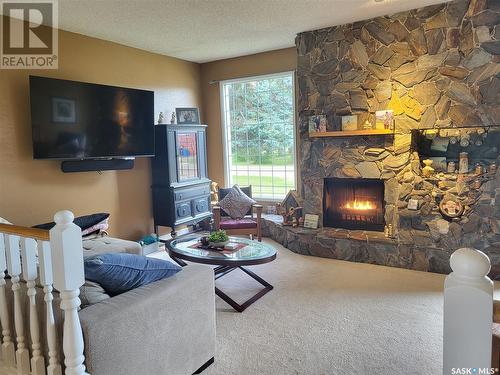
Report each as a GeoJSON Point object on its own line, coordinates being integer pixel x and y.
{"type": "Point", "coordinates": [248, 225]}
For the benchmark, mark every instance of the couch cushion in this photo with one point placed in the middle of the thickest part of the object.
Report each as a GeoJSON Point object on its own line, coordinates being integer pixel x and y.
{"type": "Point", "coordinates": [97, 244]}
{"type": "Point", "coordinates": [84, 222]}
{"type": "Point", "coordinates": [101, 226]}
{"type": "Point", "coordinates": [237, 224]}
{"type": "Point", "coordinates": [236, 203]}
{"type": "Point", "coordinates": [118, 273]}
{"type": "Point", "coordinates": [92, 293]}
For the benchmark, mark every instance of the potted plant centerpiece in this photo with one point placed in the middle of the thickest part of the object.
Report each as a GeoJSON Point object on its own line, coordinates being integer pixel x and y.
{"type": "Point", "coordinates": [218, 239]}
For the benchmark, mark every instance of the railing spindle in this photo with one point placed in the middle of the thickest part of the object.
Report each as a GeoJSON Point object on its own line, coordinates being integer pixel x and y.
{"type": "Point", "coordinates": [8, 349]}
{"type": "Point", "coordinates": [28, 254]}
{"type": "Point", "coordinates": [14, 268]}
{"type": "Point", "coordinates": [46, 279]}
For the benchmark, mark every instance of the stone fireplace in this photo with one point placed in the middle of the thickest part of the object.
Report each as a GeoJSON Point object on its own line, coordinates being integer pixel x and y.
{"type": "Point", "coordinates": [353, 203]}
{"type": "Point", "coordinates": [438, 69]}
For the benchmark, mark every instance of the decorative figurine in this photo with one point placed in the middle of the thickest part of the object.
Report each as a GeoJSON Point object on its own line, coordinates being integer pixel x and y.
{"type": "Point", "coordinates": [463, 165]}
{"type": "Point", "coordinates": [451, 167]}
{"type": "Point", "coordinates": [290, 217]}
{"type": "Point", "coordinates": [172, 119]}
{"type": "Point", "coordinates": [214, 192]}
{"type": "Point", "coordinates": [479, 169]}
{"type": "Point", "coordinates": [290, 208]}
{"type": "Point", "coordinates": [367, 125]}
{"type": "Point", "coordinates": [493, 168]}
{"type": "Point", "coordinates": [204, 241]}
{"type": "Point", "coordinates": [160, 118]}
{"type": "Point", "coordinates": [427, 171]}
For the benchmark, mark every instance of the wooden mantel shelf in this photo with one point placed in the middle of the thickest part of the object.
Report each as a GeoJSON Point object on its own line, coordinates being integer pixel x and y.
{"type": "Point", "coordinates": [350, 133]}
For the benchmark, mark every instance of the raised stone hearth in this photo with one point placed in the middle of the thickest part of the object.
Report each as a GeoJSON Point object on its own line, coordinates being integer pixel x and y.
{"type": "Point", "coordinates": [424, 240]}
{"type": "Point", "coordinates": [356, 246]}
{"type": "Point", "coordinates": [437, 68]}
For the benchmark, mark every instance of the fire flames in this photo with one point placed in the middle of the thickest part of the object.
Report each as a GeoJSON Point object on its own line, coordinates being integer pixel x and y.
{"type": "Point", "coordinates": [360, 205]}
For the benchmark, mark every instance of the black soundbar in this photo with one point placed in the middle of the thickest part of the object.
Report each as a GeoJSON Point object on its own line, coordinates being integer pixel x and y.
{"type": "Point", "coordinates": [70, 166]}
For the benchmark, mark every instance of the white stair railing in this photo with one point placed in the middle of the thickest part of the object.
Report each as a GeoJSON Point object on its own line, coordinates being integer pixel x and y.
{"type": "Point", "coordinates": [14, 269]}
{"type": "Point", "coordinates": [60, 263]}
{"type": "Point", "coordinates": [46, 279]}
{"type": "Point", "coordinates": [30, 273]}
{"type": "Point", "coordinates": [8, 349]}
{"type": "Point", "coordinates": [468, 313]}
{"type": "Point", "coordinates": [67, 262]}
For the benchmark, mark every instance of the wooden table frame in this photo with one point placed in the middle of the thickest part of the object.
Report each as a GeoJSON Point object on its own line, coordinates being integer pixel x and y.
{"type": "Point", "coordinates": [223, 267]}
{"type": "Point", "coordinates": [224, 270]}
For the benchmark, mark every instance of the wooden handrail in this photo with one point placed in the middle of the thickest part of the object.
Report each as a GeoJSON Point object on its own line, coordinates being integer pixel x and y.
{"type": "Point", "coordinates": [28, 255]}
{"type": "Point", "coordinates": [35, 233]}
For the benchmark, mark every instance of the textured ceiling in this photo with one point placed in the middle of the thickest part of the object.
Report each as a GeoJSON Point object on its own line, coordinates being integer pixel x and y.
{"type": "Point", "coordinates": [207, 30]}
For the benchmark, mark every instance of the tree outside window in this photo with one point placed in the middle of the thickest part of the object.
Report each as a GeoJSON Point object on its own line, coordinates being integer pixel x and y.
{"type": "Point", "coordinates": [259, 130]}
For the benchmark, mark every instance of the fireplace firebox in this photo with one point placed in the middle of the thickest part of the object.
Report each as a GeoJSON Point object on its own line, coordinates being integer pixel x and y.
{"type": "Point", "coordinates": [353, 203]}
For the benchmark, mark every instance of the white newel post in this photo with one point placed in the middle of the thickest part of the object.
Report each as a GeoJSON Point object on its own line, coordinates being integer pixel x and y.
{"type": "Point", "coordinates": [468, 312]}
{"type": "Point", "coordinates": [8, 349]}
{"type": "Point", "coordinates": [30, 273]}
{"type": "Point", "coordinates": [46, 279]}
{"type": "Point", "coordinates": [67, 261]}
{"type": "Point", "coordinates": [14, 268]}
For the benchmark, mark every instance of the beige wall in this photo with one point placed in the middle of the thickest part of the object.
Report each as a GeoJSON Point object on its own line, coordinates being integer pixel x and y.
{"type": "Point", "coordinates": [263, 63]}
{"type": "Point", "coordinates": [32, 190]}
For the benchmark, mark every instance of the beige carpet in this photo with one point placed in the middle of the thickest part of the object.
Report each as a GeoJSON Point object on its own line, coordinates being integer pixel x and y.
{"type": "Point", "coordinates": [331, 317]}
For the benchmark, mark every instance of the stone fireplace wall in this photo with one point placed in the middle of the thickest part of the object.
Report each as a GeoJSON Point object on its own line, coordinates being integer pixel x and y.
{"type": "Point", "coordinates": [437, 68]}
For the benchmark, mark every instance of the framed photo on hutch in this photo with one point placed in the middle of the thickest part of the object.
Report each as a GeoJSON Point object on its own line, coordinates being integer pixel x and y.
{"type": "Point", "coordinates": [187, 116]}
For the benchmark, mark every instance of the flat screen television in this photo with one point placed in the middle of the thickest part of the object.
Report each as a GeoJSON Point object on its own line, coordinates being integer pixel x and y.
{"type": "Point", "coordinates": [76, 120]}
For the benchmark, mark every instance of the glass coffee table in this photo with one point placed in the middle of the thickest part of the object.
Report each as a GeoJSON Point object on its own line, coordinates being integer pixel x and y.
{"type": "Point", "coordinates": [247, 253]}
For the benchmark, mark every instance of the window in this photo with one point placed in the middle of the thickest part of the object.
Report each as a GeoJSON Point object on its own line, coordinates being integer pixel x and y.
{"type": "Point", "coordinates": [258, 121]}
